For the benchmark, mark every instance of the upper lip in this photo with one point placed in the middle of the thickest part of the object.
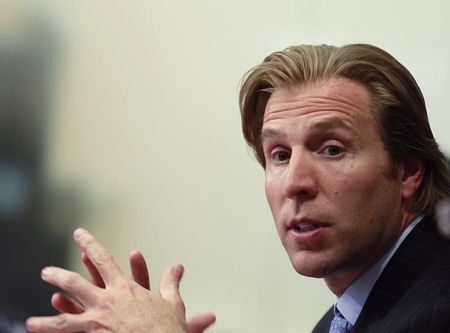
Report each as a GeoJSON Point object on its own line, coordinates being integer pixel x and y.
{"type": "Point", "coordinates": [303, 220]}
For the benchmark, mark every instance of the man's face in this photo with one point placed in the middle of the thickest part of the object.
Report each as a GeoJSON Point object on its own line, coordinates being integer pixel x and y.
{"type": "Point", "coordinates": [335, 207]}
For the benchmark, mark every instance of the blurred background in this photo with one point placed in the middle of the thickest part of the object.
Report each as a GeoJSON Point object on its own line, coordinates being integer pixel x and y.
{"type": "Point", "coordinates": [122, 117]}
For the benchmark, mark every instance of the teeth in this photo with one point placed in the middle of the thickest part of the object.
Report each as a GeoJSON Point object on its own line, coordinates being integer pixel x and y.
{"type": "Point", "coordinates": [304, 227]}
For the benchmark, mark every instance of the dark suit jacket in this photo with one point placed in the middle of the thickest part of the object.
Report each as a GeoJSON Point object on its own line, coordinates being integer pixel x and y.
{"type": "Point", "coordinates": [412, 295]}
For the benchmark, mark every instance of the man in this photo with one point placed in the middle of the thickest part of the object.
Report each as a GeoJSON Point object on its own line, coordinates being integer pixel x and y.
{"type": "Point", "coordinates": [353, 174]}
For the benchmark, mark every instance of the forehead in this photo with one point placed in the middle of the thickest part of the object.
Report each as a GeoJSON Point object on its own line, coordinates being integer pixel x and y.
{"type": "Point", "coordinates": [333, 94]}
{"type": "Point", "coordinates": [319, 108]}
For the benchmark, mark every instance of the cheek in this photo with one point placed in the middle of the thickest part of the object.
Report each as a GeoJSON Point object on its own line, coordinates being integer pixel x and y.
{"type": "Point", "coordinates": [366, 196]}
{"type": "Point", "coordinates": [270, 191]}
{"type": "Point", "coordinates": [273, 192]}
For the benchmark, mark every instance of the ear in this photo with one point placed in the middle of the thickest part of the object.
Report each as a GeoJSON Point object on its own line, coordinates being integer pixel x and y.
{"type": "Point", "coordinates": [411, 177]}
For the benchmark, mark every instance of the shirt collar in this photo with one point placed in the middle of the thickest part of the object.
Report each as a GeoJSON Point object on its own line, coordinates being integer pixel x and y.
{"type": "Point", "coordinates": [352, 300]}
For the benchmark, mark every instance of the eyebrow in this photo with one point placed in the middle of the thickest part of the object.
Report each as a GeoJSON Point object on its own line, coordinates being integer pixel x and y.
{"type": "Point", "coordinates": [321, 125]}
{"type": "Point", "coordinates": [267, 133]}
{"type": "Point", "coordinates": [333, 123]}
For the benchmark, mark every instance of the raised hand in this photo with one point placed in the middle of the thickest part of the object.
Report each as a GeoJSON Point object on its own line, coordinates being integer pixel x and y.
{"type": "Point", "coordinates": [196, 324]}
{"type": "Point", "coordinates": [121, 306]}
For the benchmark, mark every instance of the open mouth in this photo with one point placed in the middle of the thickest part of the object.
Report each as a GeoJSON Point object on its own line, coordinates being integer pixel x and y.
{"type": "Point", "coordinates": [305, 227]}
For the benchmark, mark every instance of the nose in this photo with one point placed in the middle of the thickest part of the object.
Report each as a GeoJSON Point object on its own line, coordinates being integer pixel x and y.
{"type": "Point", "coordinates": [300, 181]}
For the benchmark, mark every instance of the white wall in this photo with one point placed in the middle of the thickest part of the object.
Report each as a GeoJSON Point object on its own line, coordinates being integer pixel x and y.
{"type": "Point", "coordinates": [147, 124]}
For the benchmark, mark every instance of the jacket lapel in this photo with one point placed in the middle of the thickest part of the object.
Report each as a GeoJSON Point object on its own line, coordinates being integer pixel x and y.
{"type": "Point", "coordinates": [415, 254]}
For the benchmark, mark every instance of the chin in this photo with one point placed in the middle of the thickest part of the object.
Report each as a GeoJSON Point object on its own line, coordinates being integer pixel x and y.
{"type": "Point", "coordinates": [310, 267]}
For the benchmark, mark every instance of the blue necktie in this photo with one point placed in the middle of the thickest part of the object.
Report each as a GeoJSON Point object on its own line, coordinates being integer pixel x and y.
{"type": "Point", "coordinates": [339, 324]}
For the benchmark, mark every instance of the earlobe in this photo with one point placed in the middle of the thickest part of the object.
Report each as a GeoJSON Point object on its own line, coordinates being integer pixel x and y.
{"type": "Point", "coordinates": [411, 177]}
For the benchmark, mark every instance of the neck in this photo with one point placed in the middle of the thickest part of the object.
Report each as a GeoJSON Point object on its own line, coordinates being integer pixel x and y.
{"type": "Point", "coordinates": [340, 280]}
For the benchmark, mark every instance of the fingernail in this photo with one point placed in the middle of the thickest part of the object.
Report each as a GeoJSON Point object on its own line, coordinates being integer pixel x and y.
{"type": "Point", "coordinates": [30, 324]}
{"type": "Point", "coordinates": [77, 233]}
{"type": "Point", "coordinates": [45, 272]}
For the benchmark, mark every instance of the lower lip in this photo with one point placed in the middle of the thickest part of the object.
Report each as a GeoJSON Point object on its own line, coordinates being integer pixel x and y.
{"type": "Point", "coordinates": [306, 236]}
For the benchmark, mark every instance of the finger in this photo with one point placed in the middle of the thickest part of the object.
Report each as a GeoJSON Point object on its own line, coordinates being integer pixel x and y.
{"type": "Point", "coordinates": [63, 323]}
{"type": "Point", "coordinates": [200, 322]}
{"type": "Point", "coordinates": [93, 272]}
{"type": "Point", "coordinates": [443, 217]}
{"type": "Point", "coordinates": [65, 305]}
{"type": "Point", "coordinates": [169, 287]}
{"type": "Point", "coordinates": [139, 269]}
{"type": "Point", "coordinates": [100, 258]}
{"type": "Point", "coordinates": [71, 282]}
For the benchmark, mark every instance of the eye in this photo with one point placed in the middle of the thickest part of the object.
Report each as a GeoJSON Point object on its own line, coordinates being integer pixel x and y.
{"type": "Point", "coordinates": [333, 150]}
{"type": "Point", "coordinates": [281, 155]}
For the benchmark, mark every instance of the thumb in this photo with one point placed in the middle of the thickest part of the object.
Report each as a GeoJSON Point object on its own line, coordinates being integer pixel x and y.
{"type": "Point", "coordinates": [200, 322]}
